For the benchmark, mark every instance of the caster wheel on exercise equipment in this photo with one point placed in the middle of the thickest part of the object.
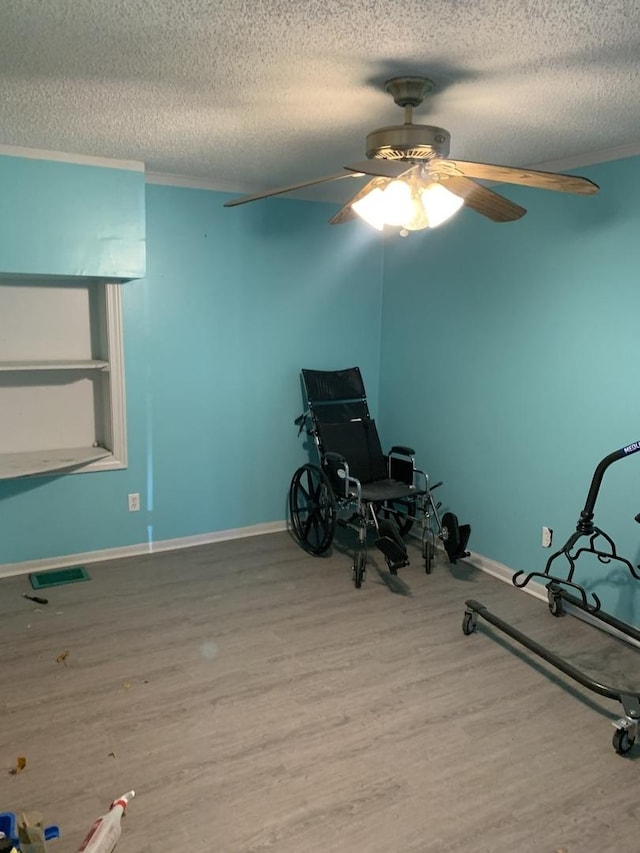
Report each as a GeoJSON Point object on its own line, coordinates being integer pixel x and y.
{"type": "Point", "coordinates": [555, 606]}
{"type": "Point", "coordinates": [554, 599]}
{"type": "Point", "coordinates": [622, 742]}
{"type": "Point", "coordinates": [469, 622]}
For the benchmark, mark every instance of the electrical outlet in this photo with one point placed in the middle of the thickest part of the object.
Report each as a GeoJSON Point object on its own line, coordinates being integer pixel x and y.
{"type": "Point", "coordinates": [547, 536]}
{"type": "Point", "coordinates": [134, 502]}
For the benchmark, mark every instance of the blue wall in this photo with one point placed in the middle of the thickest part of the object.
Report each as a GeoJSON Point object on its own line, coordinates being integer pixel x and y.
{"type": "Point", "coordinates": [506, 355]}
{"type": "Point", "coordinates": [71, 219]}
{"type": "Point", "coordinates": [509, 357]}
{"type": "Point", "coordinates": [234, 303]}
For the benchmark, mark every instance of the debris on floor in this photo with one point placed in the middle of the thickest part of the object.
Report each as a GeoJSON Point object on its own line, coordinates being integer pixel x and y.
{"type": "Point", "coordinates": [21, 763]}
{"type": "Point", "coordinates": [35, 598]}
{"type": "Point", "coordinates": [62, 657]}
{"type": "Point", "coordinates": [31, 834]}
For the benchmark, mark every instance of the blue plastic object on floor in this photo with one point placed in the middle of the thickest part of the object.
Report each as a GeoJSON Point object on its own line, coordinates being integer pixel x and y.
{"type": "Point", "coordinates": [9, 825]}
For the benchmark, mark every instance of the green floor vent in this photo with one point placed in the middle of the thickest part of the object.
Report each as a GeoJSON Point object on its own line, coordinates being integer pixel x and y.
{"type": "Point", "coordinates": [57, 577]}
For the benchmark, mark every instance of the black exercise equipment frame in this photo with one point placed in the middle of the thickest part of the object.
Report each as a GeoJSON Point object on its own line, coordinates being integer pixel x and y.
{"type": "Point", "coordinates": [563, 589]}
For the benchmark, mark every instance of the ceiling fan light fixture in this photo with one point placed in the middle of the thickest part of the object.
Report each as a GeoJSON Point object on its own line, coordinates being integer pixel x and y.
{"type": "Point", "coordinates": [371, 208]}
{"type": "Point", "coordinates": [439, 204]}
{"type": "Point", "coordinates": [408, 205]}
{"type": "Point", "coordinates": [417, 218]}
{"type": "Point", "coordinates": [397, 205]}
{"type": "Point", "coordinates": [398, 202]}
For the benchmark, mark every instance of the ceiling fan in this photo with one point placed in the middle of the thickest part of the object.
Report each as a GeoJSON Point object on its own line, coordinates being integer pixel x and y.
{"type": "Point", "coordinates": [413, 183]}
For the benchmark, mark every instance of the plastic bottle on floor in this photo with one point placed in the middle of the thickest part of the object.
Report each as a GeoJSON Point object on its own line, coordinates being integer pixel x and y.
{"type": "Point", "coordinates": [105, 832]}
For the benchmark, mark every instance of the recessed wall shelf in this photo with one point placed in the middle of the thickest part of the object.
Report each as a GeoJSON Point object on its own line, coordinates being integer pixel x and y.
{"type": "Point", "coordinates": [53, 364]}
{"type": "Point", "coordinates": [61, 377]}
{"type": "Point", "coordinates": [48, 461]}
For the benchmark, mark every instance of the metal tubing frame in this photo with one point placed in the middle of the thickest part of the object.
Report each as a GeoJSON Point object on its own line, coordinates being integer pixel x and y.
{"type": "Point", "coordinates": [630, 701]}
{"type": "Point", "coordinates": [555, 591]}
{"type": "Point", "coordinates": [586, 528]}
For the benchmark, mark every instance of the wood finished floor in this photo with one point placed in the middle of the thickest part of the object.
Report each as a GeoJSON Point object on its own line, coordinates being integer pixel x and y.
{"type": "Point", "coordinates": [257, 702]}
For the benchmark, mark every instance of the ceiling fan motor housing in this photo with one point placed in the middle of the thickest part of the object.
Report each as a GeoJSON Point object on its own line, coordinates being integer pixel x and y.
{"type": "Point", "coordinates": [408, 141]}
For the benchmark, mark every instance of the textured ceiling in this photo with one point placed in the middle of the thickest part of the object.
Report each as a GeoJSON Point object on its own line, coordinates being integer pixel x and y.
{"type": "Point", "coordinates": [249, 94]}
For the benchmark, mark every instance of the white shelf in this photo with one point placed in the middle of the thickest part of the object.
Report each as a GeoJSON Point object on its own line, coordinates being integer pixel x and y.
{"type": "Point", "coordinates": [25, 464]}
{"type": "Point", "coordinates": [61, 378]}
{"type": "Point", "coordinates": [54, 364]}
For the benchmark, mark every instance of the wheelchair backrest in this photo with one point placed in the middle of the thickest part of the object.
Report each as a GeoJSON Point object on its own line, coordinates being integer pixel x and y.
{"type": "Point", "coordinates": [326, 386]}
{"type": "Point", "coordinates": [335, 396]}
{"type": "Point", "coordinates": [359, 443]}
{"type": "Point", "coordinates": [342, 423]}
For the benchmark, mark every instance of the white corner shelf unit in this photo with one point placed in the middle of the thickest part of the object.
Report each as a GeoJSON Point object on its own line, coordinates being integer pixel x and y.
{"type": "Point", "coordinates": [61, 377]}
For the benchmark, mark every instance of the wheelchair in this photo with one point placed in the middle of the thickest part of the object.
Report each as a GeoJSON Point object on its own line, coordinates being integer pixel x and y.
{"type": "Point", "coordinates": [357, 486]}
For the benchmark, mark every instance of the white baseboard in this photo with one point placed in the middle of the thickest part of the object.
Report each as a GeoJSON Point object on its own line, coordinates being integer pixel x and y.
{"type": "Point", "coordinates": [504, 573]}
{"type": "Point", "coordinates": [495, 569]}
{"type": "Point", "coordinates": [28, 566]}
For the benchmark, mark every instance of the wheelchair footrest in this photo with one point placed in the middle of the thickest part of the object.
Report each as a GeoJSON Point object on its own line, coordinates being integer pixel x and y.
{"type": "Point", "coordinates": [456, 538]}
{"type": "Point", "coordinates": [395, 553]}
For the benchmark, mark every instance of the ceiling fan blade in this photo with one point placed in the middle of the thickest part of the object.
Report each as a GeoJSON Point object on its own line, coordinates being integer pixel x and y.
{"type": "Point", "coordinates": [483, 200]}
{"type": "Point", "coordinates": [514, 175]}
{"type": "Point", "coordinates": [346, 212]}
{"type": "Point", "coordinates": [382, 168]}
{"type": "Point", "coordinates": [288, 189]}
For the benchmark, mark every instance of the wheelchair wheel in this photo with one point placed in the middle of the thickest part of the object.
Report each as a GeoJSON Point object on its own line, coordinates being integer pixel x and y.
{"type": "Point", "coordinates": [429, 554]}
{"type": "Point", "coordinates": [402, 512]}
{"type": "Point", "coordinates": [359, 568]}
{"type": "Point", "coordinates": [312, 509]}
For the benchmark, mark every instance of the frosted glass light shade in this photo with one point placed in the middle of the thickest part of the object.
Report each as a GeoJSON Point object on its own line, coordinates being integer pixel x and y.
{"type": "Point", "coordinates": [409, 206]}
{"type": "Point", "coordinates": [439, 203]}
{"type": "Point", "coordinates": [371, 208]}
{"type": "Point", "coordinates": [398, 203]}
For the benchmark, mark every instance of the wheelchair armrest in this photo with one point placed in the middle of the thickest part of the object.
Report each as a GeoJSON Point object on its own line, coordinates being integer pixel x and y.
{"type": "Point", "coordinates": [402, 450]}
{"type": "Point", "coordinates": [401, 464]}
{"type": "Point", "coordinates": [338, 471]}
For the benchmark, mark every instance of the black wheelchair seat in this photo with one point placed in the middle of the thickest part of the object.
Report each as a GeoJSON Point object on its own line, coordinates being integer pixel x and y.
{"type": "Point", "coordinates": [356, 443]}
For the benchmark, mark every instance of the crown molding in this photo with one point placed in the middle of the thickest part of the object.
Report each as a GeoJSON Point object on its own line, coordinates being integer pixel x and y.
{"type": "Point", "coordinates": [64, 157]}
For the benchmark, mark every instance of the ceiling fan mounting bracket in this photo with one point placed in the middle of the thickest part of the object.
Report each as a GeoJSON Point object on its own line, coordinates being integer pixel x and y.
{"type": "Point", "coordinates": [408, 91]}
{"type": "Point", "coordinates": [408, 141]}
